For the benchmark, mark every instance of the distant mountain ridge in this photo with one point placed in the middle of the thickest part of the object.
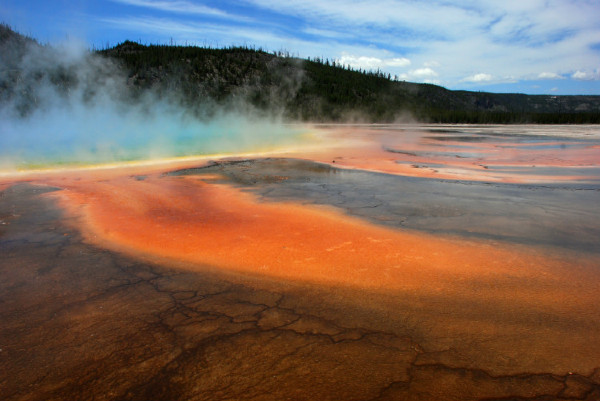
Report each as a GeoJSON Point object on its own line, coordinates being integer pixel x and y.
{"type": "Point", "coordinates": [298, 89]}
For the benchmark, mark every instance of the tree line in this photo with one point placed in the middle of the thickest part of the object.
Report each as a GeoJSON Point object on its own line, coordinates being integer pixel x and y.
{"type": "Point", "coordinates": [316, 89]}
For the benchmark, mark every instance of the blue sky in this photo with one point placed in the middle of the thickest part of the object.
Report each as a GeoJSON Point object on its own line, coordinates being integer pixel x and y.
{"type": "Point", "coordinates": [526, 46]}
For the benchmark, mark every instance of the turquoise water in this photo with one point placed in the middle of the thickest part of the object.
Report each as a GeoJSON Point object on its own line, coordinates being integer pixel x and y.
{"type": "Point", "coordinates": [97, 135]}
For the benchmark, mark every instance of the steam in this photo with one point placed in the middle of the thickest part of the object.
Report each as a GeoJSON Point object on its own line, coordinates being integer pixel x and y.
{"type": "Point", "coordinates": [64, 105]}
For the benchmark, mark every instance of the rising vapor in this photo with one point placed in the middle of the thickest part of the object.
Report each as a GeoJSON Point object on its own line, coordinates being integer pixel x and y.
{"type": "Point", "coordinates": [65, 105]}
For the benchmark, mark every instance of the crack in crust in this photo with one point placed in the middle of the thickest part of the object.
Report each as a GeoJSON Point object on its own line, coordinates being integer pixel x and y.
{"type": "Point", "coordinates": [79, 322]}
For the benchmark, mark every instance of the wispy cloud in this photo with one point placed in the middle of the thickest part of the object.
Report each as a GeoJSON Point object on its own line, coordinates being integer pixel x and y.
{"type": "Point", "coordinates": [193, 32]}
{"type": "Point", "coordinates": [213, 34]}
{"type": "Point", "coordinates": [467, 44]}
{"type": "Point", "coordinates": [352, 14]}
{"type": "Point", "coordinates": [513, 38]}
{"type": "Point", "coordinates": [372, 63]}
{"type": "Point", "coordinates": [549, 75]}
{"type": "Point", "coordinates": [586, 75]}
{"type": "Point", "coordinates": [481, 77]}
{"type": "Point", "coordinates": [452, 43]}
{"type": "Point", "coordinates": [323, 33]}
{"type": "Point", "coordinates": [177, 6]}
{"type": "Point", "coordinates": [425, 72]}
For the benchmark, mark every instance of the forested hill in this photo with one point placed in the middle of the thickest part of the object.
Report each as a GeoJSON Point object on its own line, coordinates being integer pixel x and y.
{"type": "Point", "coordinates": [320, 90]}
{"type": "Point", "coordinates": [306, 90]}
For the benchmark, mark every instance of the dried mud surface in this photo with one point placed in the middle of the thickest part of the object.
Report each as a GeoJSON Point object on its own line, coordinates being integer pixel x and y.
{"type": "Point", "coordinates": [81, 322]}
{"type": "Point", "coordinates": [424, 263]}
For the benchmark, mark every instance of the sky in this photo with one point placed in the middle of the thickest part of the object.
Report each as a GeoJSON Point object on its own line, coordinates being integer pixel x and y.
{"type": "Point", "coordinates": [515, 46]}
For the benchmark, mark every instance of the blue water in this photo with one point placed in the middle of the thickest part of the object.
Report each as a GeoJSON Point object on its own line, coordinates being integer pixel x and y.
{"type": "Point", "coordinates": [99, 135]}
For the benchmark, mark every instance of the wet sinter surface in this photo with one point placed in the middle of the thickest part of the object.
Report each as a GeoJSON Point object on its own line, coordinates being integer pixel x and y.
{"type": "Point", "coordinates": [469, 208]}
{"type": "Point", "coordinates": [81, 322]}
{"type": "Point", "coordinates": [510, 154]}
{"type": "Point", "coordinates": [278, 278]}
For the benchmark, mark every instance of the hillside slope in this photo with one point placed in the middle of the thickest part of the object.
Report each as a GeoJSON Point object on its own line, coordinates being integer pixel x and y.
{"type": "Point", "coordinates": [206, 79]}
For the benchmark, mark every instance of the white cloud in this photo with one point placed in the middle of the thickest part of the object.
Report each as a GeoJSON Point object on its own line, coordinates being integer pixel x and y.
{"type": "Point", "coordinates": [586, 75]}
{"type": "Point", "coordinates": [223, 35]}
{"type": "Point", "coordinates": [198, 33]}
{"type": "Point", "coordinates": [549, 75]}
{"type": "Point", "coordinates": [177, 6]}
{"type": "Point", "coordinates": [481, 77]}
{"type": "Point", "coordinates": [446, 42]}
{"type": "Point", "coordinates": [398, 62]}
{"type": "Point", "coordinates": [372, 63]}
{"type": "Point", "coordinates": [384, 13]}
{"type": "Point", "coordinates": [423, 73]}
{"type": "Point", "coordinates": [431, 64]}
{"type": "Point", "coordinates": [513, 38]}
{"type": "Point", "coordinates": [324, 33]}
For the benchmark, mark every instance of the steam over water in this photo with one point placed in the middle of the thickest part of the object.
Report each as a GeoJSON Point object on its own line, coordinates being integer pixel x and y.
{"type": "Point", "coordinates": [102, 134]}
{"type": "Point", "coordinates": [64, 105]}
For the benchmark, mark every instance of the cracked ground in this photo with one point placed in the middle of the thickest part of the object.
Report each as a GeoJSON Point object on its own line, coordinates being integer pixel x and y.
{"type": "Point", "coordinates": [83, 322]}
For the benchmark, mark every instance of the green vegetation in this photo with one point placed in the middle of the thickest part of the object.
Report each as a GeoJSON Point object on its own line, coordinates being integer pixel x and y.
{"type": "Point", "coordinates": [204, 80]}
{"type": "Point", "coordinates": [320, 90]}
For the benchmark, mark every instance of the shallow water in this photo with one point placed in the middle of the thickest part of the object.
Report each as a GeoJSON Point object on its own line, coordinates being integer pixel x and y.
{"type": "Point", "coordinates": [538, 213]}
{"type": "Point", "coordinates": [542, 154]}
{"type": "Point", "coordinates": [337, 272]}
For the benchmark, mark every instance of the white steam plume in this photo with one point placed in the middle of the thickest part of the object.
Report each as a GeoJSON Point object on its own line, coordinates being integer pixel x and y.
{"type": "Point", "coordinates": [64, 104]}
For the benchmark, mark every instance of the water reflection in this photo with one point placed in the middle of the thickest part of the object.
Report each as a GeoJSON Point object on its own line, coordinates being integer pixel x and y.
{"type": "Point", "coordinates": [558, 215]}
{"type": "Point", "coordinates": [540, 154]}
